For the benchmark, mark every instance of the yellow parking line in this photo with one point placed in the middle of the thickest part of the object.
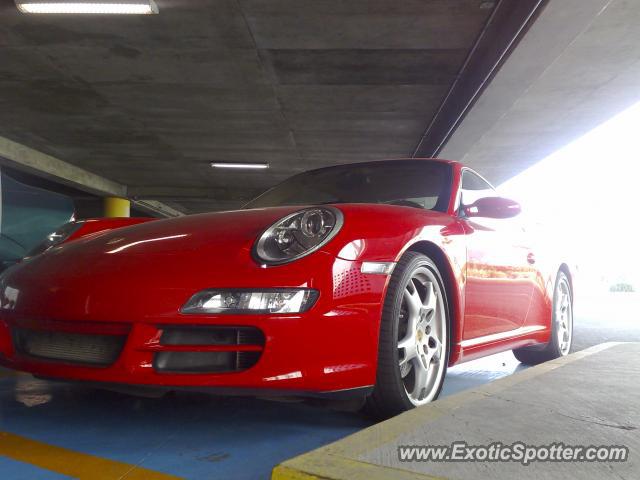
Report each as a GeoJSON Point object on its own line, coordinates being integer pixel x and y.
{"type": "Point", "coordinates": [74, 464]}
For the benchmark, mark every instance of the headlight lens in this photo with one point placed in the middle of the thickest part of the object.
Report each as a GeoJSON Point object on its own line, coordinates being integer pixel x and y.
{"type": "Point", "coordinates": [297, 235]}
{"type": "Point", "coordinates": [295, 300]}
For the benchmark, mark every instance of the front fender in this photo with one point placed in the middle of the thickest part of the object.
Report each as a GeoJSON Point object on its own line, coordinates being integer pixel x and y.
{"type": "Point", "coordinates": [382, 233]}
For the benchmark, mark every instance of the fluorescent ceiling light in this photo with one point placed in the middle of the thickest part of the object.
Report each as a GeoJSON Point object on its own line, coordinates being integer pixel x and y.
{"type": "Point", "coordinates": [122, 7]}
{"type": "Point", "coordinates": [253, 166]}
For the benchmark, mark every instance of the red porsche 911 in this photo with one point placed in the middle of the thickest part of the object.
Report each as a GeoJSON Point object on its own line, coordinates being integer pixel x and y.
{"type": "Point", "coordinates": [365, 280]}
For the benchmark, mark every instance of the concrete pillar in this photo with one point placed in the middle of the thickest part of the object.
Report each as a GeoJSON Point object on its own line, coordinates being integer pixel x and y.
{"type": "Point", "coordinates": [117, 207]}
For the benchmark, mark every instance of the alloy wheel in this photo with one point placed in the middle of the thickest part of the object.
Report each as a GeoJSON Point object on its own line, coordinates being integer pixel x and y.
{"type": "Point", "coordinates": [563, 316]}
{"type": "Point", "coordinates": [422, 336]}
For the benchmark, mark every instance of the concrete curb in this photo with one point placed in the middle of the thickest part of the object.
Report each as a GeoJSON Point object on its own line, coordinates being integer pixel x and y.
{"type": "Point", "coordinates": [336, 461]}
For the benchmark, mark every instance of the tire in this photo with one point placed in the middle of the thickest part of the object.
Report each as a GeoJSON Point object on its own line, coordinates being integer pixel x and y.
{"type": "Point", "coordinates": [411, 366]}
{"type": "Point", "coordinates": [561, 327]}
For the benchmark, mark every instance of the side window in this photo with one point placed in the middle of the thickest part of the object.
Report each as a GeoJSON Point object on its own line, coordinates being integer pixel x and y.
{"type": "Point", "coordinates": [473, 188]}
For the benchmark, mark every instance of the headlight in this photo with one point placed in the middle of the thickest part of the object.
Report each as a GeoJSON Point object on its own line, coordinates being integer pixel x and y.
{"type": "Point", "coordinates": [297, 235]}
{"type": "Point", "coordinates": [295, 300]}
{"type": "Point", "coordinates": [55, 238]}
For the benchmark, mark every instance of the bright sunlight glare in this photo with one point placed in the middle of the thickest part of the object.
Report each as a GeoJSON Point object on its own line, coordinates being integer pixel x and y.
{"type": "Point", "coordinates": [584, 195]}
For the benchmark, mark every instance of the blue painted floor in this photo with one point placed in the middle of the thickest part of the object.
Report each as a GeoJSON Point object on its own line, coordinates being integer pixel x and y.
{"type": "Point", "coordinates": [188, 435]}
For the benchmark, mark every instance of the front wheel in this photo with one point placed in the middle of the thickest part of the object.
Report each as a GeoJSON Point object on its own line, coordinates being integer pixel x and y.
{"type": "Point", "coordinates": [561, 327]}
{"type": "Point", "coordinates": [414, 338]}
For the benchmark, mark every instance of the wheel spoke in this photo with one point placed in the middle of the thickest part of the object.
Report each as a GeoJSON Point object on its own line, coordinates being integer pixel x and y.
{"type": "Point", "coordinates": [563, 300]}
{"type": "Point", "coordinates": [437, 349]}
{"type": "Point", "coordinates": [405, 367]}
{"type": "Point", "coordinates": [431, 298]}
{"type": "Point", "coordinates": [420, 381]}
{"type": "Point", "coordinates": [409, 338]}
{"type": "Point", "coordinates": [413, 300]}
{"type": "Point", "coordinates": [407, 343]}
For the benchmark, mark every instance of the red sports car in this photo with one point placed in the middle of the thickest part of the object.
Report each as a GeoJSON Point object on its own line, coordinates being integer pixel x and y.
{"type": "Point", "coordinates": [363, 280]}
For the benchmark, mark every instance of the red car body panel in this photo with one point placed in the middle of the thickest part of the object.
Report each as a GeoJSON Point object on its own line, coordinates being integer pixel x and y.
{"type": "Point", "coordinates": [95, 225]}
{"type": "Point", "coordinates": [134, 280]}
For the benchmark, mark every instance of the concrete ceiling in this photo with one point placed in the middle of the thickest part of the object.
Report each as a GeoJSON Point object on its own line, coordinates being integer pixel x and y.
{"type": "Point", "coordinates": [149, 101]}
{"type": "Point", "coordinates": [576, 68]}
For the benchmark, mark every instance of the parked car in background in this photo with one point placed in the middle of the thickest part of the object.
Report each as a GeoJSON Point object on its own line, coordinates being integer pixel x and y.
{"type": "Point", "coordinates": [81, 228]}
{"type": "Point", "coordinates": [28, 215]}
{"type": "Point", "coordinates": [35, 219]}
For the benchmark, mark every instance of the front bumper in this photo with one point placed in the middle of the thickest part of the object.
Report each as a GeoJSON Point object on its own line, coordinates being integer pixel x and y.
{"type": "Point", "coordinates": [330, 348]}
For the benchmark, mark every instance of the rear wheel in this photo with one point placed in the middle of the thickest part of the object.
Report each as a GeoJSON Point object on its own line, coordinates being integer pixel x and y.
{"type": "Point", "coordinates": [414, 338]}
{"type": "Point", "coordinates": [561, 327]}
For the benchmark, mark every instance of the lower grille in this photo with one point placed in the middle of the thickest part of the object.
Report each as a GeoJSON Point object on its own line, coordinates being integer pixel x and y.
{"type": "Point", "coordinates": [247, 359]}
{"type": "Point", "coordinates": [212, 349]}
{"type": "Point", "coordinates": [80, 349]}
{"type": "Point", "coordinates": [222, 335]}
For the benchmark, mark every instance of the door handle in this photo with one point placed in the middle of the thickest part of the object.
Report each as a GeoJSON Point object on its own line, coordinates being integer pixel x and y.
{"type": "Point", "coordinates": [531, 258]}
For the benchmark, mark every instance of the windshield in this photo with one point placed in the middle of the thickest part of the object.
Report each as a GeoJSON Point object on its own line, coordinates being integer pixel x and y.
{"type": "Point", "coordinates": [412, 183]}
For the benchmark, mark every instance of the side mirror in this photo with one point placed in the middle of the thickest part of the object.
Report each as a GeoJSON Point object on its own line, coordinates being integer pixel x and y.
{"type": "Point", "coordinates": [492, 207]}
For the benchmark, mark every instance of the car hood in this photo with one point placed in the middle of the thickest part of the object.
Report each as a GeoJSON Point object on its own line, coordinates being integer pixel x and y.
{"type": "Point", "coordinates": [220, 235]}
{"type": "Point", "coordinates": [165, 260]}
{"type": "Point", "coordinates": [209, 232]}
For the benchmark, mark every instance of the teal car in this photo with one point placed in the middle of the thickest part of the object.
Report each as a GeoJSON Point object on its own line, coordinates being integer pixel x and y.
{"type": "Point", "coordinates": [27, 215]}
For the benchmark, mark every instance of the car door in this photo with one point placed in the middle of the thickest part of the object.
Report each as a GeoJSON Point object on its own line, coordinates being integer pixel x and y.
{"type": "Point", "coordinates": [499, 276]}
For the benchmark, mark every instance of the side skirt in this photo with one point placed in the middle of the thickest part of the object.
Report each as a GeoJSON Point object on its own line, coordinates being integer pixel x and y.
{"type": "Point", "coordinates": [475, 348]}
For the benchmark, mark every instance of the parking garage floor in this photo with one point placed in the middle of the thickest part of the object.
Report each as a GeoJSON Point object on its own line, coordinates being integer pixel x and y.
{"type": "Point", "coordinates": [54, 430]}
{"type": "Point", "coordinates": [185, 435]}
{"type": "Point", "coordinates": [577, 403]}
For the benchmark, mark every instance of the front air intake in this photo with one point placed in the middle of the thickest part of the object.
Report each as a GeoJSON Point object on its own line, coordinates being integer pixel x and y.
{"type": "Point", "coordinates": [210, 349]}
{"type": "Point", "coordinates": [73, 348]}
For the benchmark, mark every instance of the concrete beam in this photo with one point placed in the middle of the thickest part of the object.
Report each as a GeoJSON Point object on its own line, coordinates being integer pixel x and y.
{"type": "Point", "coordinates": [32, 161]}
{"type": "Point", "coordinates": [195, 193]}
{"type": "Point", "coordinates": [19, 156]}
{"type": "Point", "coordinates": [154, 207]}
